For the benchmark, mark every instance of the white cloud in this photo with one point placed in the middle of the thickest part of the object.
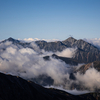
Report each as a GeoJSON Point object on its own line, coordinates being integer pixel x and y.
{"type": "Point", "coordinates": [6, 44]}
{"type": "Point", "coordinates": [11, 50]}
{"type": "Point", "coordinates": [74, 92]}
{"type": "Point", "coordinates": [69, 52]}
{"type": "Point", "coordinates": [31, 39]}
{"type": "Point", "coordinates": [27, 51]}
{"type": "Point", "coordinates": [35, 47]}
{"type": "Point", "coordinates": [91, 78]}
{"type": "Point", "coordinates": [37, 39]}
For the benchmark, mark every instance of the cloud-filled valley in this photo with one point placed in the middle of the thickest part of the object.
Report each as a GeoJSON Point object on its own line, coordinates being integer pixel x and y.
{"type": "Point", "coordinates": [28, 63]}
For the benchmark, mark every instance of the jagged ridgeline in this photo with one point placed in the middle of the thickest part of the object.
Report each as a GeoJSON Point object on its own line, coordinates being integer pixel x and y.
{"type": "Point", "coordinates": [85, 52]}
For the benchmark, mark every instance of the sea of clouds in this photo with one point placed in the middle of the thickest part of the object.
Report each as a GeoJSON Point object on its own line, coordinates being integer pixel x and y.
{"type": "Point", "coordinates": [29, 63]}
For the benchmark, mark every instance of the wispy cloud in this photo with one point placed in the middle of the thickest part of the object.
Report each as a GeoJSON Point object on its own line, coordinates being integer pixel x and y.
{"type": "Point", "coordinates": [95, 41]}
{"type": "Point", "coordinates": [74, 92]}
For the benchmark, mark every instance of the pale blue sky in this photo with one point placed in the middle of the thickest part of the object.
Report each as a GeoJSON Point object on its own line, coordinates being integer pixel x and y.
{"type": "Point", "coordinates": [49, 19]}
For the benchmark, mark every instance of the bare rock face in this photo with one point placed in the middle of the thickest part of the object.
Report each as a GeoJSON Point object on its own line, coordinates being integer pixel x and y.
{"type": "Point", "coordinates": [85, 53]}
{"type": "Point", "coordinates": [69, 61]}
{"type": "Point", "coordinates": [51, 46]}
{"type": "Point", "coordinates": [69, 42]}
{"type": "Point", "coordinates": [84, 68]}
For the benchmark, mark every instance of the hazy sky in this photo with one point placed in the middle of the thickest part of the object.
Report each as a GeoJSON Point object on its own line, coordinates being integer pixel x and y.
{"type": "Point", "coordinates": [49, 19]}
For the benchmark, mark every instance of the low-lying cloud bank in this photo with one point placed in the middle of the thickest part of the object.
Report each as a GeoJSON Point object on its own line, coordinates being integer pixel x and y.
{"type": "Point", "coordinates": [74, 91]}
{"type": "Point", "coordinates": [37, 39]}
{"type": "Point", "coordinates": [28, 63]}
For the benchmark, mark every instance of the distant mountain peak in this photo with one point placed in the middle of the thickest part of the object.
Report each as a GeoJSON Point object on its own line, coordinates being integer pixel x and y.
{"type": "Point", "coordinates": [71, 39]}
{"type": "Point", "coordinates": [10, 39]}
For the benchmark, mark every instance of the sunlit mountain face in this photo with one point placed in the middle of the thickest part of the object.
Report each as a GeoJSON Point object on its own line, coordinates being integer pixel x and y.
{"type": "Point", "coordinates": [70, 64]}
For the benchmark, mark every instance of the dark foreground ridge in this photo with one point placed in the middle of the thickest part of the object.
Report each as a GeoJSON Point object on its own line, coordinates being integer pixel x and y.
{"type": "Point", "coordinates": [16, 88]}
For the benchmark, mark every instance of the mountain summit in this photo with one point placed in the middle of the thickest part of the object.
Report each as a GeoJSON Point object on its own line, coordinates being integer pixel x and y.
{"type": "Point", "coordinates": [70, 39]}
{"type": "Point", "coordinates": [11, 40]}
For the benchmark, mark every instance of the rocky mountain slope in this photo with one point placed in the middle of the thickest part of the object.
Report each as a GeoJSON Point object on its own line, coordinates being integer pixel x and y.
{"type": "Point", "coordinates": [69, 61]}
{"type": "Point", "coordinates": [85, 53]}
{"type": "Point", "coordinates": [84, 68]}
{"type": "Point", "coordinates": [16, 88]}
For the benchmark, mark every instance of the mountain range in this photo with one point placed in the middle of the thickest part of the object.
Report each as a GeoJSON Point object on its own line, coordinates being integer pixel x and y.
{"type": "Point", "coordinates": [85, 52]}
